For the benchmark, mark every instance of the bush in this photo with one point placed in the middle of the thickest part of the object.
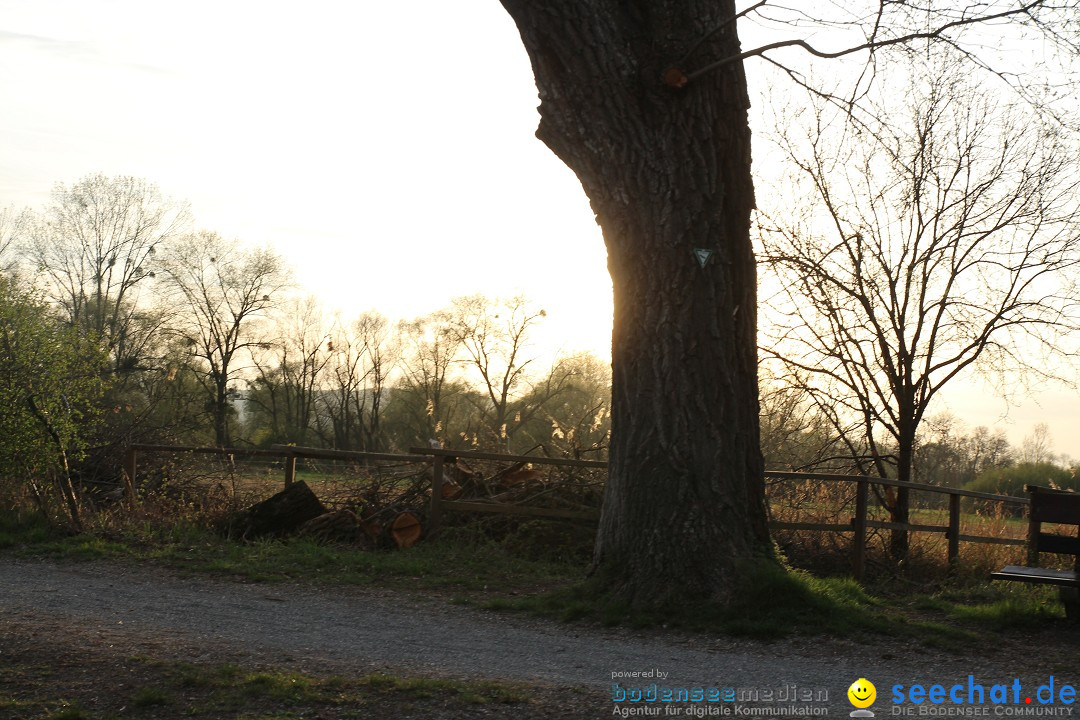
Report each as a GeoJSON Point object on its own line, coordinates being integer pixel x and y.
{"type": "Point", "coordinates": [1011, 480]}
{"type": "Point", "coordinates": [50, 392]}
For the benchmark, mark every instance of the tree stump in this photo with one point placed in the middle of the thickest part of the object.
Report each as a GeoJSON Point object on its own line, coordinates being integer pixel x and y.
{"type": "Point", "coordinates": [280, 514]}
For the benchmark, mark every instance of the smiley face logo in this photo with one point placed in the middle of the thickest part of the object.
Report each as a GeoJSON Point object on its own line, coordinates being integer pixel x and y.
{"type": "Point", "coordinates": [862, 693]}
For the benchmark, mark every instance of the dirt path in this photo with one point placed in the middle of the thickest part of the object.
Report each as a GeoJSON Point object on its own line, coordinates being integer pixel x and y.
{"type": "Point", "coordinates": [152, 611]}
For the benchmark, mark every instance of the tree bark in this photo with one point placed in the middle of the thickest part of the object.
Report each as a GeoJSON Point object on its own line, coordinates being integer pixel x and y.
{"type": "Point", "coordinates": [905, 461]}
{"type": "Point", "coordinates": [221, 414]}
{"type": "Point", "coordinates": [667, 171]}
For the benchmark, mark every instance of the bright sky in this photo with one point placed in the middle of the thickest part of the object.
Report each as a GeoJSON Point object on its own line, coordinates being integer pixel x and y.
{"type": "Point", "coordinates": [386, 150]}
{"type": "Point", "coordinates": [390, 161]}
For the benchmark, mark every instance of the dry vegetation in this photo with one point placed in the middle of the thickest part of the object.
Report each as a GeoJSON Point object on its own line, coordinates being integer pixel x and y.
{"type": "Point", "coordinates": [207, 490]}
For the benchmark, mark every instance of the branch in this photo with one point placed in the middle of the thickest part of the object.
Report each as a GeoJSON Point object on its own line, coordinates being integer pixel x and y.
{"type": "Point", "coordinates": [871, 45]}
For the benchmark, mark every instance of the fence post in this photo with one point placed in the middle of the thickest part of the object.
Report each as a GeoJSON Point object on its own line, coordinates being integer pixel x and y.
{"type": "Point", "coordinates": [131, 460]}
{"type": "Point", "coordinates": [435, 515]}
{"type": "Point", "coordinates": [1034, 526]}
{"type": "Point", "coordinates": [858, 548]}
{"type": "Point", "coordinates": [290, 467]}
{"type": "Point", "coordinates": [954, 529]}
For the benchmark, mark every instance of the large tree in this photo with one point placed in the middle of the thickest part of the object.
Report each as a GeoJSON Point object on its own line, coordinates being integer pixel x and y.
{"type": "Point", "coordinates": [646, 101]}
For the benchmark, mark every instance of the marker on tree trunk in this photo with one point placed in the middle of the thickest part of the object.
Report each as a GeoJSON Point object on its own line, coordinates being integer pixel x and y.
{"type": "Point", "coordinates": [703, 255]}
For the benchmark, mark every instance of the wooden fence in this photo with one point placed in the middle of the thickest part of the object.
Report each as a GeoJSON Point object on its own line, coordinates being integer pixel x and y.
{"type": "Point", "coordinates": [859, 524]}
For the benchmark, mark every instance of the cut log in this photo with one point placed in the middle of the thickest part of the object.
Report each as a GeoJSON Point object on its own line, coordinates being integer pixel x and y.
{"type": "Point", "coordinates": [341, 526]}
{"type": "Point", "coordinates": [372, 529]}
{"type": "Point", "coordinates": [405, 529]}
{"type": "Point", "coordinates": [451, 490]}
{"type": "Point", "coordinates": [280, 514]}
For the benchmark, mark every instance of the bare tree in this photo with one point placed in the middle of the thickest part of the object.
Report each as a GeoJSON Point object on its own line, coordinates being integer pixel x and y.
{"type": "Point", "coordinates": [945, 240]}
{"type": "Point", "coordinates": [430, 350]}
{"type": "Point", "coordinates": [372, 332]}
{"type": "Point", "coordinates": [945, 454]}
{"type": "Point", "coordinates": [96, 245]}
{"type": "Point", "coordinates": [223, 291]}
{"type": "Point", "coordinates": [575, 420]}
{"type": "Point", "coordinates": [989, 449]}
{"type": "Point", "coordinates": [289, 371]}
{"type": "Point", "coordinates": [495, 337]}
{"type": "Point", "coordinates": [646, 101]}
{"type": "Point", "coordinates": [796, 433]}
{"type": "Point", "coordinates": [363, 353]}
{"type": "Point", "coordinates": [1036, 447]}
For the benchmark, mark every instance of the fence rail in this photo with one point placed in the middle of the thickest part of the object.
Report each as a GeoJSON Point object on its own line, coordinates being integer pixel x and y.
{"type": "Point", "coordinates": [859, 524]}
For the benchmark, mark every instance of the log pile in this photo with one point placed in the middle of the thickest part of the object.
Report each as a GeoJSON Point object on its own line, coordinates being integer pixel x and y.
{"type": "Point", "coordinates": [389, 510]}
{"type": "Point", "coordinates": [339, 526]}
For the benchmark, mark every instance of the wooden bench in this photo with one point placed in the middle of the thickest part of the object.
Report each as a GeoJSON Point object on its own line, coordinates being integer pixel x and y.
{"type": "Point", "coordinates": [1056, 507]}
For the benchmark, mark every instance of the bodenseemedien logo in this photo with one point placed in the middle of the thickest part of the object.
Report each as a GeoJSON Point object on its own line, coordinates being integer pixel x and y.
{"type": "Point", "coordinates": [862, 694]}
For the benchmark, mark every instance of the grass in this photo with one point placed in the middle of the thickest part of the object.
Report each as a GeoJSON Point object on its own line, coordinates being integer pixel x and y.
{"type": "Point", "coordinates": [184, 690]}
{"type": "Point", "coordinates": [474, 692]}
{"type": "Point", "coordinates": [229, 688]}
{"type": "Point", "coordinates": [1004, 607]}
{"type": "Point", "coordinates": [18, 528]}
{"type": "Point", "coordinates": [151, 697]}
{"type": "Point", "coordinates": [772, 603]}
{"type": "Point", "coordinates": [464, 564]}
{"type": "Point", "coordinates": [471, 569]}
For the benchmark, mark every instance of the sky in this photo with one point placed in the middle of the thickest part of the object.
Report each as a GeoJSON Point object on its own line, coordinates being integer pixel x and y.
{"type": "Point", "coordinates": [391, 162]}
{"type": "Point", "coordinates": [385, 150]}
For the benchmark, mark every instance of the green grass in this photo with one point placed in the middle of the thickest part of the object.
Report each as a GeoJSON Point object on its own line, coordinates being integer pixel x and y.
{"type": "Point", "coordinates": [151, 697]}
{"type": "Point", "coordinates": [23, 528]}
{"type": "Point", "coordinates": [287, 687]}
{"type": "Point", "coordinates": [470, 569]}
{"type": "Point", "coordinates": [229, 687]}
{"type": "Point", "coordinates": [475, 692]}
{"type": "Point", "coordinates": [773, 602]}
{"type": "Point", "coordinates": [173, 690]}
{"type": "Point", "coordinates": [997, 607]}
{"type": "Point", "coordinates": [202, 676]}
{"type": "Point", "coordinates": [462, 563]}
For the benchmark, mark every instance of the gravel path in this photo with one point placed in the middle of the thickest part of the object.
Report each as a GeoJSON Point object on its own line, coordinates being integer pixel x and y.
{"type": "Point", "coordinates": [364, 629]}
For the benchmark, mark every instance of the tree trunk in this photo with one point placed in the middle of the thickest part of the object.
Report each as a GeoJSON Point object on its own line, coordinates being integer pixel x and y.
{"type": "Point", "coordinates": [667, 171]}
{"type": "Point", "coordinates": [899, 541]}
{"type": "Point", "coordinates": [221, 416]}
